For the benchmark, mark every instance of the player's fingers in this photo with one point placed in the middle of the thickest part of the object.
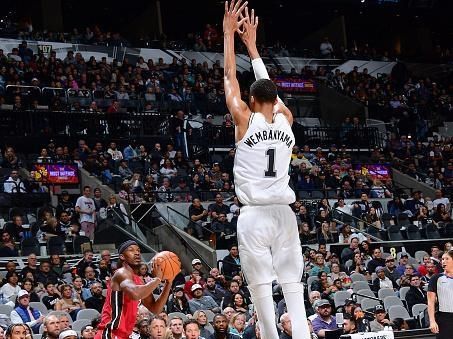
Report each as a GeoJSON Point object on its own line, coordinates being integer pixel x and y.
{"type": "Point", "coordinates": [256, 22]}
{"type": "Point", "coordinates": [252, 17]}
{"type": "Point", "coordinates": [235, 5]}
{"type": "Point", "coordinates": [226, 6]}
{"type": "Point", "coordinates": [242, 7]}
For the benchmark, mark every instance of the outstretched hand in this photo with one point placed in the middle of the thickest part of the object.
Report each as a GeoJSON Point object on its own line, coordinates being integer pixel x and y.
{"type": "Point", "coordinates": [249, 26]}
{"type": "Point", "coordinates": [231, 21]}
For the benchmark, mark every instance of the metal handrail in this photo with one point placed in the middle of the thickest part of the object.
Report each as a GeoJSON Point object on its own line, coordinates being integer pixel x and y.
{"type": "Point", "coordinates": [359, 220]}
{"type": "Point", "coordinates": [185, 217]}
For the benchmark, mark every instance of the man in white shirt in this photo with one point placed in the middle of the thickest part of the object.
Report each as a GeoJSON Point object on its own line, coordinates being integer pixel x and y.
{"type": "Point", "coordinates": [342, 207]}
{"type": "Point", "coordinates": [87, 212]}
{"type": "Point", "coordinates": [14, 184]}
{"type": "Point", "coordinates": [441, 200]}
{"type": "Point", "coordinates": [115, 152]}
{"type": "Point", "coordinates": [24, 314]}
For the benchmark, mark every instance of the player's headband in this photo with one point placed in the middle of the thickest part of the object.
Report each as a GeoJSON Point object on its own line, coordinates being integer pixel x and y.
{"type": "Point", "coordinates": [125, 245]}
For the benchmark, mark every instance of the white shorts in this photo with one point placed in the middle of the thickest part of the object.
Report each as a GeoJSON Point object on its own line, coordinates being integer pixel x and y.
{"type": "Point", "coordinates": [269, 245]}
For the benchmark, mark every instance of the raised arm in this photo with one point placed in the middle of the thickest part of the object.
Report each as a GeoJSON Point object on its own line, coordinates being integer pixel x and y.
{"type": "Point", "coordinates": [248, 36]}
{"type": "Point", "coordinates": [231, 23]}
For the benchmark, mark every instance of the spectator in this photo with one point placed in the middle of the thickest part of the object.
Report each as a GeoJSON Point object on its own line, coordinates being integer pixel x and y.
{"type": "Point", "coordinates": [31, 266]}
{"type": "Point", "coordinates": [29, 286]}
{"type": "Point", "coordinates": [97, 300]}
{"type": "Point", "coordinates": [52, 296]}
{"type": "Point", "coordinates": [231, 263]}
{"type": "Point", "coordinates": [390, 269]}
{"type": "Point", "coordinates": [380, 320]}
{"type": "Point", "coordinates": [14, 183]}
{"type": "Point", "coordinates": [415, 295]}
{"type": "Point", "coordinates": [237, 324]}
{"type": "Point", "coordinates": [200, 302]}
{"type": "Point", "coordinates": [176, 327]}
{"type": "Point", "coordinates": [324, 321]}
{"type": "Point", "coordinates": [87, 211]}
{"type": "Point", "coordinates": [348, 252]}
{"type": "Point", "coordinates": [66, 205]}
{"type": "Point", "coordinates": [52, 327]}
{"type": "Point", "coordinates": [11, 288]}
{"type": "Point", "coordinates": [67, 303]}
{"type": "Point", "coordinates": [7, 245]}
{"type": "Point", "coordinates": [179, 302]}
{"type": "Point", "coordinates": [218, 207]}
{"type": "Point", "coordinates": [198, 215]}
{"type": "Point", "coordinates": [404, 259]}
{"type": "Point", "coordinates": [192, 330]}
{"type": "Point", "coordinates": [381, 281]}
{"type": "Point", "coordinates": [24, 314]}
{"type": "Point", "coordinates": [195, 278]}
{"type": "Point", "coordinates": [326, 49]}
{"type": "Point", "coordinates": [215, 292]}
{"type": "Point", "coordinates": [45, 274]}
{"type": "Point", "coordinates": [87, 260]}
{"type": "Point", "coordinates": [376, 261]}
{"type": "Point", "coordinates": [90, 277]}
{"type": "Point", "coordinates": [221, 328]}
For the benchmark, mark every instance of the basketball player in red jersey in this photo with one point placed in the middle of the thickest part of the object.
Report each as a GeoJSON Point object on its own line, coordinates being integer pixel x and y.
{"type": "Point", "coordinates": [125, 292]}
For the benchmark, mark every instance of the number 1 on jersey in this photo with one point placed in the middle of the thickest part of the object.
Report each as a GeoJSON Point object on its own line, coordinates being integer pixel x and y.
{"type": "Point", "coordinates": [270, 172]}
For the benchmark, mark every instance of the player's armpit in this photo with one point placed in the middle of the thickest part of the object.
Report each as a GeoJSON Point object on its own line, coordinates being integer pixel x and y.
{"type": "Point", "coordinates": [280, 107]}
{"type": "Point", "coordinates": [238, 108]}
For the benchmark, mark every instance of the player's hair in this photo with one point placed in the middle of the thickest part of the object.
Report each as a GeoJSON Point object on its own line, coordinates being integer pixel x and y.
{"type": "Point", "coordinates": [449, 253]}
{"type": "Point", "coordinates": [190, 321]}
{"type": "Point", "coordinates": [264, 91]}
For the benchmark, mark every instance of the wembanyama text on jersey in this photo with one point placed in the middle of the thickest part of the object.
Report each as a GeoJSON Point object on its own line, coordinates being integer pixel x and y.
{"type": "Point", "coordinates": [261, 163]}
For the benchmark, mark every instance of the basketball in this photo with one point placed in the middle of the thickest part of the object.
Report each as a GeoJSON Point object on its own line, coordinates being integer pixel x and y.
{"type": "Point", "coordinates": [168, 262]}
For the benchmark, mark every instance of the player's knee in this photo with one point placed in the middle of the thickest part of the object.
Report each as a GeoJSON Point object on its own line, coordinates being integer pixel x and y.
{"type": "Point", "coordinates": [260, 291]}
{"type": "Point", "coordinates": [295, 287]}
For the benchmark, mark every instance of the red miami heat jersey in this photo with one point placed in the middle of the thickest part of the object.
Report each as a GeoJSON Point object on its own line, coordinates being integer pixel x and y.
{"type": "Point", "coordinates": [118, 314]}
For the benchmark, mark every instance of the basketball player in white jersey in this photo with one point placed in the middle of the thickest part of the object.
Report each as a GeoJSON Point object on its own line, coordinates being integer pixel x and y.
{"type": "Point", "coordinates": [267, 228]}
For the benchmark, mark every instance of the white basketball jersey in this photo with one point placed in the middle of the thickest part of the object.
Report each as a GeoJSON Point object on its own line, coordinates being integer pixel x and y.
{"type": "Point", "coordinates": [262, 161]}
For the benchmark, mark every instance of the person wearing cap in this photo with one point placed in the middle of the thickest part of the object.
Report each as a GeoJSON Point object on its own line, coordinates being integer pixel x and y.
{"type": "Point", "coordinates": [382, 281]}
{"type": "Point", "coordinates": [65, 205]}
{"type": "Point", "coordinates": [179, 302]}
{"type": "Point", "coordinates": [390, 269]}
{"type": "Point", "coordinates": [68, 334]}
{"type": "Point", "coordinates": [380, 320]}
{"type": "Point", "coordinates": [200, 301]}
{"type": "Point", "coordinates": [324, 321]}
{"type": "Point", "coordinates": [127, 290]}
{"type": "Point", "coordinates": [195, 278]}
{"type": "Point", "coordinates": [87, 332]}
{"type": "Point", "coordinates": [24, 314]}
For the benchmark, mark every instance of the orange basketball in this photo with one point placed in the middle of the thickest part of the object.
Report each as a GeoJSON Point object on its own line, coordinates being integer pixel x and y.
{"type": "Point", "coordinates": [168, 262]}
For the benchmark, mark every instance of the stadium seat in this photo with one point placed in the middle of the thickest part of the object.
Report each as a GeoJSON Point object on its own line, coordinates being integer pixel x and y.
{"type": "Point", "coordinates": [418, 309]}
{"type": "Point", "coordinates": [419, 256]}
{"type": "Point", "coordinates": [449, 231]}
{"type": "Point", "coordinates": [367, 292]}
{"type": "Point", "coordinates": [348, 263]}
{"type": "Point", "coordinates": [177, 314]}
{"type": "Point", "coordinates": [392, 300]}
{"type": "Point", "coordinates": [358, 277]}
{"type": "Point", "coordinates": [5, 309]}
{"type": "Point", "coordinates": [394, 233]}
{"type": "Point", "coordinates": [208, 327]}
{"type": "Point", "coordinates": [413, 232]}
{"type": "Point", "coordinates": [432, 232]}
{"type": "Point", "coordinates": [88, 313]}
{"type": "Point", "coordinates": [369, 304]}
{"type": "Point", "coordinates": [375, 232]}
{"type": "Point", "coordinates": [78, 242]}
{"type": "Point", "coordinates": [304, 194]}
{"type": "Point", "coordinates": [398, 311]}
{"type": "Point", "coordinates": [43, 295]}
{"type": "Point", "coordinates": [387, 220]}
{"type": "Point", "coordinates": [385, 292]}
{"type": "Point", "coordinates": [29, 246]}
{"type": "Point", "coordinates": [55, 245]}
{"type": "Point", "coordinates": [403, 220]}
{"type": "Point", "coordinates": [78, 324]}
{"type": "Point", "coordinates": [317, 194]}
{"type": "Point", "coordinates": [340, 297]}
{"type": "Point", "coordinates": [403, 292]}
{"type": "Point", "coordinates": [360, 285]}
{"type": "Point", "coordinates": [39, 306]}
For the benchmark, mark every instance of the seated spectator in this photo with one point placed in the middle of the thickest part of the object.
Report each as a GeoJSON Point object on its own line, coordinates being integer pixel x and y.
{"type": "Point", "coordinates": [97, 300]}
{"type": "Point", "coordinates": [45, 274]}
{"type": "Point", "coordinates": [239, 305]}
{"type": "Point", "coordinates": [363, 325]}
{"type": "Point", "coordinates": [14, 183]}
{"type": "Point", "coordinates": [376, 261]}
{"type": "Point", "coordinates": [15, 229]}
{"type": "Point", "coordinates": [337, 274]}
{"type": "Point", "coordinates": [213, 290]}
{"type": "Point", "coordinates": [231, 262]}
{"type": "Point", "coordinates": [381, 281]}
{"type": "Point", "coordinates": [116, 211]}
{"type": "Point", "coordinates": [319, 265]}
{"type": "Point", "coordinates": [348, 252]}
{"type": "Point", "coordinates": [7, 245]}
{"type": "Point", "coordinates": [178, 302]}
{"type": "Point", "coordinates": [380, 319]}
{"type": "Point", "coordinates": [323, 285]}
{"type": "Point", "coordinates": [68, 303]}
{"type": "Point", "coordinates": [441, 214]}
{"type": "Point", "coordinates": [372, 218]}
{"type": "Point", "coordinates": [195, 278]}
{"type": "Point", "coordinates": [305, 236]}
{"type": "Point", "coordinates": [201, 302]}
{"type": "Point", "coordinates": [29, 285]}
{"type": "Point", "coordinates": [202, 321]}
{"type": "Point", "coordinates": [324, 234]}
{"type": "Point", "coordinates": [11, 288]}
{"type": "Point", "coordinates": [390, 269]}
{"type": "Point", "coordinates": [405, 279]}
{"type": "Point", "coordinates": [415, 295]}
{"type": "Point", "coordinates": [25, 314]}
{"type": "Point", "coordinates": [52, 297]}
{"type": "Point", "coordinates": [324, 321]}
{"type": "Point", "coordinates": [90, 278]}
{"type": "Point", "coordinates": [237, 324]}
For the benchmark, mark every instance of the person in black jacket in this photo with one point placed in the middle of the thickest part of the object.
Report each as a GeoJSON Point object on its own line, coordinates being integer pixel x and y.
{"type": "Point", "coordinates": [96, 300]}
{"type": "Point", "coordinates": [415, 295]}
{"type": "Point", "coordinates": [178, 303]}
{"type": "Point", "coordinates": [232, 263]}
